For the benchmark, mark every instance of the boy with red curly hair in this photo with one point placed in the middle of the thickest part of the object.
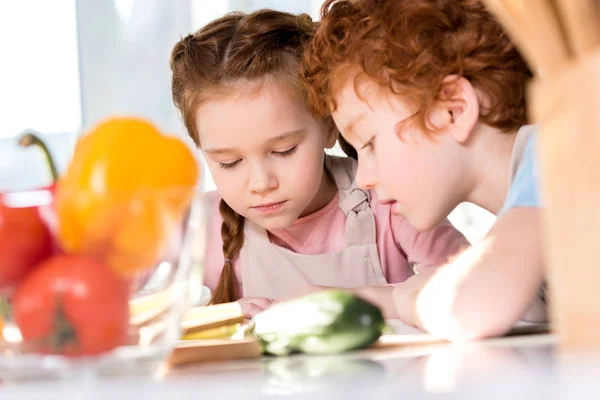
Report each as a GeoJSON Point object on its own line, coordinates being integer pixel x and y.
{"type": "Point", "coordinates": [431, 93]}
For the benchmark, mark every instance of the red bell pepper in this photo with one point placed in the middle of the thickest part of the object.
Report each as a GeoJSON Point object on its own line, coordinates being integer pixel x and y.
{"type": "Point", "coordinates": [25, 235]}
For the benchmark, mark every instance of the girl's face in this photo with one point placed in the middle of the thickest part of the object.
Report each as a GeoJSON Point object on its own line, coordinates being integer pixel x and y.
{"type": "Point", "coordinates": [420, 175]}
{"type": "Point", "coordinates": [265, 153]}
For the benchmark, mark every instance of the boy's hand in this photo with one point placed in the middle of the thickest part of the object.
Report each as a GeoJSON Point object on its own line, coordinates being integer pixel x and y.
{"type": "Point", "coordinates": [405, 296]}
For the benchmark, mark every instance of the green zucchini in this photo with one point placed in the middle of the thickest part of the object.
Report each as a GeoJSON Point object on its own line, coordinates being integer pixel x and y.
{"type": "Point", "coordinates": [326, 322]}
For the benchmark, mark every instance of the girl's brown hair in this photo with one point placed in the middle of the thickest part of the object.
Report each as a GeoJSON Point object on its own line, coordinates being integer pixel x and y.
{"type": "Point", "coordinates": [233, 51]}
{"type": "Point", "coordinates": [410, 47]}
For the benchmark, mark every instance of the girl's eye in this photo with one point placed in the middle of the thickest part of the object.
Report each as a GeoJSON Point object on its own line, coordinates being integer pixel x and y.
{"type": "Point", "coordinates": [286, 153]}
{"type": "Point", "coordinates": [229, 165]}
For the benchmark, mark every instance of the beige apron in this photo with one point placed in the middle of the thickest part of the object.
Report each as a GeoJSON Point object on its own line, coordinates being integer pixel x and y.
{"type": "Point", "coordinates": [274, 272]}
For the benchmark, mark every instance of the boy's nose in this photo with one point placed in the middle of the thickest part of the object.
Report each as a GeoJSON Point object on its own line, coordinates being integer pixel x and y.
{"type": "Point", "coordinates": [366, 177]}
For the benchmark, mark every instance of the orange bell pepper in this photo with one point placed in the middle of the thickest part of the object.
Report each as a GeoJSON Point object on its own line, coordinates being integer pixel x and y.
{"type": "Point", "coordinates": [124, 194]}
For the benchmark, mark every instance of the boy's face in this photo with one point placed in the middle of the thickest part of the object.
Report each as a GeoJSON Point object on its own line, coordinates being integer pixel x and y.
{"type": "Point", "coordinates": [421, 175]}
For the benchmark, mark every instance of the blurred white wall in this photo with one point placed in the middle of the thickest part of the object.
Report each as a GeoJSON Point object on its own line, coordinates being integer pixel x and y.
{"type": "Point", "coordinates": [68, 64]}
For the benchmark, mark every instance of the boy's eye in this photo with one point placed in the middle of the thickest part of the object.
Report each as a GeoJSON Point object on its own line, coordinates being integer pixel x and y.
{"type": "Point", "coordinates": [286, 153]}
{"type": "Point", "coordinates": [370, 143]}
{"type": "Point", "coordinates": [229, 165]}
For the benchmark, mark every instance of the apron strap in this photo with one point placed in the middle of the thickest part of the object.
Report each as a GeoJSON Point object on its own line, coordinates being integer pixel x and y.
{"type": "Point", "coordinates": [360, 221]}
{"type": "Point", "coordinates": [353, 201]}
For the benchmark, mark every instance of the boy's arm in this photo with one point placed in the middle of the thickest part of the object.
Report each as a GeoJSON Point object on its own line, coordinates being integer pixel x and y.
{"type": "Point", "coordinates": [486, 289]}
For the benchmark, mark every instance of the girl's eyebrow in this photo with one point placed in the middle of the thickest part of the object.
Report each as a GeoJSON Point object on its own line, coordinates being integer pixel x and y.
{"type": "Point", "coordinates": [284, 136]}
{"type": "Point", "coordinates": [288, 135]}
{"type": "Point", "coordinates": [218, 151]}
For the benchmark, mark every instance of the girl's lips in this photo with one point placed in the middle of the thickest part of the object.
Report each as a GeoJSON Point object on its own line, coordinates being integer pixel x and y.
{"type": "Point", "coordinates": [269, 208]}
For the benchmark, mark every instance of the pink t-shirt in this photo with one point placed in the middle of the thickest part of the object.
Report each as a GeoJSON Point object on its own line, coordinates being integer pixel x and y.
{"type": "Point", "coordinates": [398, 243]}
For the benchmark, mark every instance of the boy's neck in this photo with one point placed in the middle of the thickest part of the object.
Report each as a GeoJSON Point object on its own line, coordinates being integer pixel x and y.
{"type": "Point", "coordinates": [490, 160]}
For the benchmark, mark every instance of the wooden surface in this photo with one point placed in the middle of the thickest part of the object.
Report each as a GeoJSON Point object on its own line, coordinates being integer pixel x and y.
{"type": "Point", "coordinates": [567, 107]}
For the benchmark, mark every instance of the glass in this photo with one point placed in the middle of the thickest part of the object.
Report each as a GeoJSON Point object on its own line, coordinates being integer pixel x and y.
{"type": "Point", "coordinates": [158, 299]}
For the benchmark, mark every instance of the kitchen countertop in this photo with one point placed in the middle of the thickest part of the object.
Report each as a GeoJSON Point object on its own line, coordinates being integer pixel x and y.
{"type": "Point", "coordinates": [512, 368]}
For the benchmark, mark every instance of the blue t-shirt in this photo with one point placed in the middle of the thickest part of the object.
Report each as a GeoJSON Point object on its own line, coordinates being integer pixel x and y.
{"type": "Point", "coordinates": [524, 189]}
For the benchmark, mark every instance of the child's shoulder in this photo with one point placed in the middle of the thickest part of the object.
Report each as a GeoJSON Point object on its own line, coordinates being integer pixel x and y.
{"type": "Point", "coordinates": [524, 188]}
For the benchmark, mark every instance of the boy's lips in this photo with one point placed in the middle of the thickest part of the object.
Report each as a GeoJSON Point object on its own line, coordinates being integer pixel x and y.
{"type": "Point", "coordinates": [387, 201]}
{"type": "Point", "coordinates": [395, 208]}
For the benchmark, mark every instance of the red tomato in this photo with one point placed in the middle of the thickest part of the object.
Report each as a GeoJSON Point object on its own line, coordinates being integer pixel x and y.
{"type": "Point", "coordinates": [72, 305]}
{"type": "Point", "coordinates": [25, 240]}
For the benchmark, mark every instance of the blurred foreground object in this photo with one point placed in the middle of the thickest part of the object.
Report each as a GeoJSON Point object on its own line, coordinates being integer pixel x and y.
{"type": "Point", "coordinates": [561, 41]}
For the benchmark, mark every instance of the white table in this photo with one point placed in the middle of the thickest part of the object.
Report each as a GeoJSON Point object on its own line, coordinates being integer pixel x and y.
{"type": "Point", "coordinates": [506, 368]}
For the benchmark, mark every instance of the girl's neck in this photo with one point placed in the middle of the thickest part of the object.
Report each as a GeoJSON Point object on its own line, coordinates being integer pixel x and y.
{"type": "Point", "coordinates": [492, 152]}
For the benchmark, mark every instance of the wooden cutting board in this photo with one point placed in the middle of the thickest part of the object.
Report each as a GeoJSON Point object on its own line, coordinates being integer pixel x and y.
{"type": "Point", "coordinates": [197, 351]}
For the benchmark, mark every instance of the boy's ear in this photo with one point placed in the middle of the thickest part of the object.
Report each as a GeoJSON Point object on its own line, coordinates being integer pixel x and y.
{"type": "Point", "coordinates": [457, 111]}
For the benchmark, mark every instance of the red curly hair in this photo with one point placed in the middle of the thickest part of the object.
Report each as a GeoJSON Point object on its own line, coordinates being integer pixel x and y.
{"type": "Point", "coordinates": [410, 47]}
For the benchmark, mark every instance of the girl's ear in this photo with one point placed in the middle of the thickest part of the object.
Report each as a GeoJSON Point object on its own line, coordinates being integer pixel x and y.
{"type": "Point", "coordinates": [331, 140]}
{"type": "Point", "coordinates": [457, 111]}
{"type": "Point", "coordinates": [331, 132]}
